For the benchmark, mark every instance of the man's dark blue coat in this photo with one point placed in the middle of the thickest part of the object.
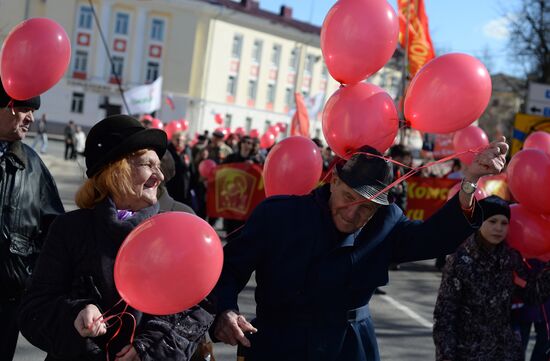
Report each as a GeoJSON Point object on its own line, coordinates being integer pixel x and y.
{"type": "Point", "coordinates": [313, 284]}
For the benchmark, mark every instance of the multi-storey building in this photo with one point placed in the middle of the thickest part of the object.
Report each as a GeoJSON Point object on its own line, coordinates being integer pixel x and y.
{"type": "Point", "coordinates": [216, 57]}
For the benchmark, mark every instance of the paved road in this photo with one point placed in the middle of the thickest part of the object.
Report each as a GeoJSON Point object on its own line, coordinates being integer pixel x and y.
{"type": "Point", "coordinates": [402, 317]}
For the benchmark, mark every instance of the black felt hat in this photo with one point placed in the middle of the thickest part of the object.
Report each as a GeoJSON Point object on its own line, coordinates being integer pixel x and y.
{"type": "Point", "coordinates": [5, 99]}
{"type": "Point", "coordinates": [367, 175]}
{"type": "Point", "coordinates": [117, 136]}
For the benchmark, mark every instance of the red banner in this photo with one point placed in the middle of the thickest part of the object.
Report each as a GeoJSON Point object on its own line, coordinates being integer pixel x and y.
{"type": "Point", "coordinates": [420, 47]}
{"type": "Point", "coordinates": [234, 191]}
{"type": "Point", "coordinates": [426, 195]}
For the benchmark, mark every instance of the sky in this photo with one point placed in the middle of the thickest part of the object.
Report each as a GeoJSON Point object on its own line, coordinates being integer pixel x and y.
{"type": "Point", "coordinates": [475, 27]}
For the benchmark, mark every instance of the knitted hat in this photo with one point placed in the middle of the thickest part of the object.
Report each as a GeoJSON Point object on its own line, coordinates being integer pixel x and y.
{"type": "Point", "coordinates": [493, 205]}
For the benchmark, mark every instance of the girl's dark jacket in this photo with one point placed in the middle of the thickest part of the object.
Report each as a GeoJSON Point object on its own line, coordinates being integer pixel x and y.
{"type": "Point", "coordinates": [75, 269]}
{"type": "Point", "coordinates": [473, 308]}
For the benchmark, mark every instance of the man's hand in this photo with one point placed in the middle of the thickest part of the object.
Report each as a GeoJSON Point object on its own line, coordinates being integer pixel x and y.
{"type": "Point", "coordinates": [230, 328]}
{"type": "Point", "coordinates": [490, 161]}
{"type": "Point", "coordinates": [89, 322]}
{"type": "Point", "coordinates": [128, 353]}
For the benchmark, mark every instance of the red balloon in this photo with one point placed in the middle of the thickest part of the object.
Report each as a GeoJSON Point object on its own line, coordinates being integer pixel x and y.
{"type": "Point", "coordinates": [206, 168]}
{"type": "Point", "coordinates": [538, 140]}
{"type": "Point", "coordinates": [218, 119]}
{"type": "Point", "coordinates": [479, 193]}
{"type": "Point", "coordinates": [528, 174]}
{"type": "Point", "coordinates": [168, 263]}
{"type": "Point", "coordinates": [275, 130]}
{"type": "Point", "coordinates": [282, 126]}
{"type": "Point", "coordinates": [529, 232]}
{"type": "Point", "coordinates": [254, 133]}
{"type": "Point", "coordinates": [147, 117]}
{"type": "Point", "coordinates": [448, 94]}
{"type": "Point", "coordinates": [184, 124]}
{"type": "Point", "coordinates": [173, 127]}
{"type": "Point", "coordinates": [156, 123]}
{"type": "Point", "coordinates": [357, 38]}
{"type": "Point", "coordinates": [358, 115]}
{"type": "Point", "coordinates": [240, 131]}
{"type": "Point", "coordinates": [267, 140]}
{"type": "Point", "coordinates": [293, 166]}
{"type": "Point", "coordinates": [35, 55]}
{"type": "Point", "coordinates": [469, 138]}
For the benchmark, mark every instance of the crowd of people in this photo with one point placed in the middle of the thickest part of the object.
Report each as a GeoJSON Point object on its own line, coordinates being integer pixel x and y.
{"type": "Point", "coordinates": [316, 267]}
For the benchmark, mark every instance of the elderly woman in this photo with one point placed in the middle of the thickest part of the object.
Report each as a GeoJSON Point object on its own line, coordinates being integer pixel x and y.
{"type": "Point", "coordinates": [73, 282]}
{"type": "Point", "coordinates": [472, 312]}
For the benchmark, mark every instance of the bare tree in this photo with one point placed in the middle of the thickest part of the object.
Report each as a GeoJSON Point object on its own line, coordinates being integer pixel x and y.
{"type": "Point", "coordinates": [529, 38]}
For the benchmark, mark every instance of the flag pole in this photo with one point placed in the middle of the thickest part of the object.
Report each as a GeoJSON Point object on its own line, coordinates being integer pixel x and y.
{"type": "Point", "coordinates": [404, 72]}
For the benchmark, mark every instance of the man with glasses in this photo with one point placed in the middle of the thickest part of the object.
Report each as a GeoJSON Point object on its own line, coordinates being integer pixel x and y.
{"type": "Point", "coordinates": [318, 259]}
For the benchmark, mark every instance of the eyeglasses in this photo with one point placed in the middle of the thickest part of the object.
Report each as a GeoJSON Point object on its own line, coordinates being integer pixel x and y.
{"type": "Point", "coordinates": [154, 167]}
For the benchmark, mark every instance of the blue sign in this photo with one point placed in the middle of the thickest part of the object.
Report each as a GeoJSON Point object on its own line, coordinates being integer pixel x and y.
{"type": "Point", "coordinates": [547, 111]}
{"type": "Point", "coordinates": [547, 94]}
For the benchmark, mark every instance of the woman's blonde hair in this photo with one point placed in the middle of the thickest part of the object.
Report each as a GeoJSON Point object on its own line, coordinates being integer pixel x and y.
{"type": "Point", "coordinates": [113, 181]}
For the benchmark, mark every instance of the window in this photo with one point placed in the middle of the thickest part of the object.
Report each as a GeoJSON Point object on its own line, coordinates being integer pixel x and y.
{"type": "Point", "coordinates": [310, 61]}
{"type": "Point", "coordinates": [231, 85]}
{"type": "Point", "coordinates": [152, 72]}
{"type": "Point", "coordinates": [293, 62]}
{"type": "Point", "coordinates": [121, 23]}
{"type": "Point", "coordinates": [267, 125]}
{"type": "Point", "coordinates": [228, 120]}
{"type": "Point", "coordinates": [77, 104]}
{"type": "Point", "coordinates": [85, 17]}
{"type": "Point", "coordinates": [157, 30]}
{"type": "Point", "coordinates": [237, 46]}
{"type": "Point", "coordinates": [289, 99]}
{"type": "Point", "coordinates": [324, 72]}
{"type": "Point", "coordinates": [248, 124]}
{"type": "Point", "coordinates": [271, 93]}
{"type": "Point", "coordinates": [118, 66]}
{"type": "Point", "coordinates": [276, 55]}
{"type": "Point", "coordinates": [252, 87]}
{"type": "Point", "coordinates": [81, 61]}
{"type": "Point", "coordinates": [257, 51]}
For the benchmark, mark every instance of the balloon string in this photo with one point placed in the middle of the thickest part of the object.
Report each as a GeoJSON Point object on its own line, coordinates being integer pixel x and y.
{"type": "Point", "coordinates": [118, 319]}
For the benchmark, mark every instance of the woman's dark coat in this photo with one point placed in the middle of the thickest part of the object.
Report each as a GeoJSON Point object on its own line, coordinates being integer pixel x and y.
{"type": "Point", "coordinates": [75, 269]}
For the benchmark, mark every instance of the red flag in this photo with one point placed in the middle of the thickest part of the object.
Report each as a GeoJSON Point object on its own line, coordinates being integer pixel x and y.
{"type": "Point", "coordinates": [420, 47]}
{"type": "Point", "coordinates": [170, 102]}
{"type": "Point", "coordinates": [300, 120]}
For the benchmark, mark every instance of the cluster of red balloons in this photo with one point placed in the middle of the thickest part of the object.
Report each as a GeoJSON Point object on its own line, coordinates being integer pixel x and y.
{"type": "Point", "coordinates": [168, 263]}
{"type": "Point", "coordinates": [528, 173]}
{"type": "Point", "coordinates": [174, 126]}
{"type": "Point", "coordinates": [35, 55]}
{"type": "Point", "coordinates": [357, 39]}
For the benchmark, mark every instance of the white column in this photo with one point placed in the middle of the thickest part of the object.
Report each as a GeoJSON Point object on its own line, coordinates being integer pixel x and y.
{"type": "Point", "coordinates": [139, 36]}
{"type": "Point", "coordinates": [101, 59]}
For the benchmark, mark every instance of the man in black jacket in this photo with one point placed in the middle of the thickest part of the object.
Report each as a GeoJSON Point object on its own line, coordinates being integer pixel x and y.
{"type": "Point", "coordinates": [28, 203]}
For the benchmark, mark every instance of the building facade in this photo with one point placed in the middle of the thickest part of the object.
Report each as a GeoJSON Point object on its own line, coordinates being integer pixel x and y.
{"type": "Point", "coordinates": [217, 57]}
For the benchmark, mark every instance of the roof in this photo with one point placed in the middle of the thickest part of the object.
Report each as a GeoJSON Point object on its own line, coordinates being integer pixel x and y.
{"type": "Point", "coordinates": [251, 7]}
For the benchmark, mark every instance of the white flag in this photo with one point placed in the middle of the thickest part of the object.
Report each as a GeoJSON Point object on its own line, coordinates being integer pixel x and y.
{"type": "Point", "coordinates": [145, 98]}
